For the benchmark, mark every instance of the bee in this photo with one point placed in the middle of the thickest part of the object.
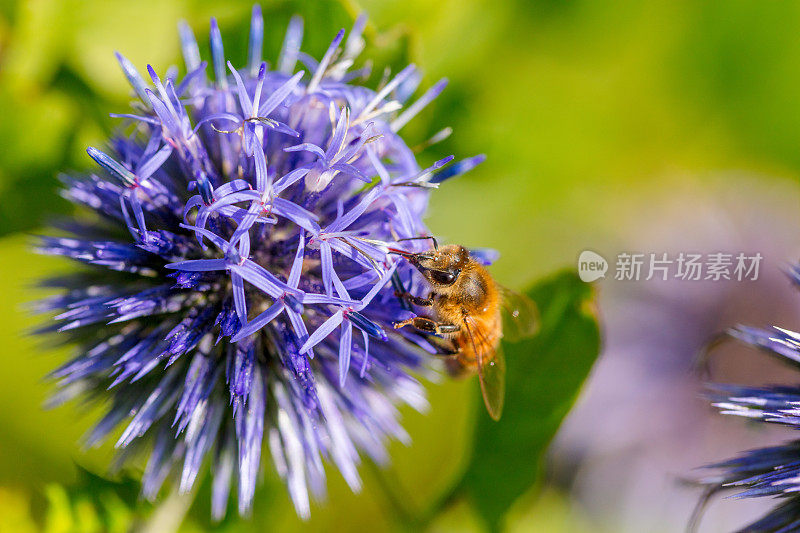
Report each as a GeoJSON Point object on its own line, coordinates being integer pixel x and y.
{"type": "Point", "coordinates": [467, 309]}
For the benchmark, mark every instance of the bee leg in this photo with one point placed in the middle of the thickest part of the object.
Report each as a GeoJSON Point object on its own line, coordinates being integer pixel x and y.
{"type": "Point", "coordinates": [406, 297]}
{"type": "Point", "coordinates": [444, 349]}
{"type": "Point", "coordinates": [399, 290]}
{"type": "Point", "coordinates": [416, 300]}
{"type": "Point", "coordinates": [442, 329]}
{"type": "Point", "coordinates": [428, 326]}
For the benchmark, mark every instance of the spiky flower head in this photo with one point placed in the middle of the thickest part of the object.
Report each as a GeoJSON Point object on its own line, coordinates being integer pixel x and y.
{"type": "Point", "coordinates": [773, 471]}
{"type": "Point", "coordinates": [239, 291]}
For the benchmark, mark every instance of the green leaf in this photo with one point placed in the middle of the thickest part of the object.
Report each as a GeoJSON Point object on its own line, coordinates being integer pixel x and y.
{"type": "Point", "coordinates": [93, 503]}
{"type": "Point", "coordinates": [544, 375]}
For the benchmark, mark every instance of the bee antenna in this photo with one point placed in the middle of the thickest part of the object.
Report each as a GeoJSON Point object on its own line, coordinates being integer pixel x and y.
{"type": "Point", "coordinates": [399, 252]}
{"type": "Point", "coordinates": [423, 237]}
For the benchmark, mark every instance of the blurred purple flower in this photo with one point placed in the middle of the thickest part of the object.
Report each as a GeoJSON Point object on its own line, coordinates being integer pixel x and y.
{"type": "Point", "coordinates": [239, 224]}
{"type": "Point", "coordinates": [771, 471]}
{"type": "Point", "coordinates": [642, 426]}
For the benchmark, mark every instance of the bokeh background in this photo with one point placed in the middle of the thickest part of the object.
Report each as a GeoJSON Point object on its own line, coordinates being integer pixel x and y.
{"type": "Point", "coordinates": [615, 126]}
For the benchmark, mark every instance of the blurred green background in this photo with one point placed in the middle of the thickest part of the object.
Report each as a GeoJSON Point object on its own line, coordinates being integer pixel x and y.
{"type": "Point", "coordinates": [586, 110]}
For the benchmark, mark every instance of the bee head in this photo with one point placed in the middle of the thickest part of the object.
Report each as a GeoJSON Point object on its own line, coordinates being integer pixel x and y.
{"type": "Point", "coordinates": [442, 266]}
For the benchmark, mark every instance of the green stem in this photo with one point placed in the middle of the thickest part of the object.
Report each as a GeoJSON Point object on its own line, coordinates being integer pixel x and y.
{"type": "Point", "coordinates": [395, 496]}
{"type": "Point", "coordinates": [440, 504]}
{"type": "Point", "coordinates": [169, 515]}
{"type": "Point", "coordinates": [407, 517]}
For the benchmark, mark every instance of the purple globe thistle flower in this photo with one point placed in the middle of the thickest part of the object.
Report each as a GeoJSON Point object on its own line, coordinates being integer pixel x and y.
{"type": "Point", "coordinates": [239, 290]}
{"type": "Point", "coordinates": [771, 471]}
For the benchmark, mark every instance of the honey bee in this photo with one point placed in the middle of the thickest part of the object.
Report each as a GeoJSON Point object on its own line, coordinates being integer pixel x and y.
{"type": "Point", "coordinates": [467, 310]}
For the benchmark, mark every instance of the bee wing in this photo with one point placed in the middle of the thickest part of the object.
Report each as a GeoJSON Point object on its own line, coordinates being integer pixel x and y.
{"type": "Point", "coordinates": [520, 315]}
{"type": "Point", "coordinates": [491, 368]}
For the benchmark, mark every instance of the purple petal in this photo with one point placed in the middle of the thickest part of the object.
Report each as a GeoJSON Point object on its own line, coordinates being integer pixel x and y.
{"type": "Point", "coordinates": [279, 95]}
{"type": "Point", "coordinates": [367, 326]}
{"type": "Point", "coordinates": [344, 168]}
{"type": "Point", "coordinates": [323, 331]}
{"type": "Point", "coordinates": [256, 40]}
{"type": "Point", "coordinates": [218, 55]}
{"type": "Point", "coordinates": [260, 321]}
{"type": "Point", "coordinates": [218, 116]}
{"type": "Point", "coordinates": [262, 70]}
{"type": "Point", "coordinates": [159, 464]}
{"type": "Point", "coordinates": [147, 412]}
{"type": "Point", "coordinates": [291, 45]}
{"type": "Point", "coordinates": [345, 349]}
{"type": "Point", "coordinates": [238, 297]}
{"type": "Point", "coordinates": [154, 163]}
{"type": "Point", "coordinates": [290, 179]}
{"type": "Point", "coordinates": [339, 134]}
{"type": "Point", "coordinates": [199, 265]}
{"type": "Point", "coordinates": [241, 377]}
{"type": "Point", "coordinates": [250, 430]}
{"type": "Point", "coordinates": [262, 176]}
{"type": "Point", "coordinates": [310, 298]}
{"type": "Point", "coordinates": [191, 52]}
{"type": "Point", "coordinates": [295, 213]}
{"type": "Point", "coordinates": [196, 74]}
{"type": "Point", "coordinates": [326, 264]}
{"type": "Point", "coordinates": [241, 233]}
{"type": "Point", "coordinates": [134, 78]}
{"type": "Point", "coordinates": [297, 264]}
{"type": "Point", "coordinates": [231, 187]}
{"type": "Point", "coordinates": [307, 147]}
{"type": "Point", "coordinates": [389, 87]}
{"type": "Point", "coordinates": [354, 42]}
{"type": "Point", "coordinates": [244, 99]}
{"type": "Point", "coordinates": [365, 278]}
{"type": "Point", "coordinates": [213, 237]}
{"type": "Point", "coordinates": [465, 165]}
{"type": "Point", "coordinates": [199, 443]}
{"type": "Point", "coordinates": [343, 222]}
{"type": "Point", "coordinates": [133, 198]}
{"type": "Point", "coordinates": [256, 275]}
{"type": "Point", "coordinates": [280, 127]}
{"type": "Point", "coordinates": [323, 65]}
{"type": "Point", "coordinates": [222, 470]}
{"type": "Point", "coordinates": [425, 174]}
{"type": "Point", "coordinates": [162, 92]}
{"type": "Point", "coordinates": [149, 120]}
{"type": "Point", "coordinates": [484, 256]}
{"type": "Point", "coordinates": [115, 169]}
{"type": "Point", "coordinates": [132, 229]}
{"type": "Point", "coordinates": [364, 364]}
{"type": "Point", "coordinates": [166, 116]}
{"type": "Point", "coordinates": [377, 287]}
{"type": "Point", "coordinates": [300, 330]}
{"type": "Point", "coordinates": [419, 105]}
